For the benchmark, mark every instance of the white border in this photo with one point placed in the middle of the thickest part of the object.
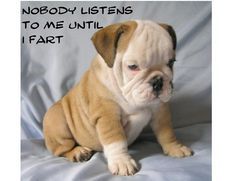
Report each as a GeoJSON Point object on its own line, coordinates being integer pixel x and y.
{"type": "Point", "coordinates": [10, 90]}
{"type": "Point", "coordinates": [122, 0]}
{"type": "Point", "coordinates": [224, 90]}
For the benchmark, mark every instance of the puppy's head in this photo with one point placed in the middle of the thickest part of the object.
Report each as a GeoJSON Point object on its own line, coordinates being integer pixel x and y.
{"type": "Point", "coordinates": [141, 55]}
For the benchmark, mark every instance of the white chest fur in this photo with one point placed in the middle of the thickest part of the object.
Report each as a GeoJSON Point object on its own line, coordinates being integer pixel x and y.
{"type": "Point", "coordinates": [134, 123]}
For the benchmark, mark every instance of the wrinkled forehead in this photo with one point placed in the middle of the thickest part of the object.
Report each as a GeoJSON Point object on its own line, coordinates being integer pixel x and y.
{"type": "Point", "coordinates": [150, 44]}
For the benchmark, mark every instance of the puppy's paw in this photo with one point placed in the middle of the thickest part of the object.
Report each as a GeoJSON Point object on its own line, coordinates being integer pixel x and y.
{"type": "Point", "coordinates": [177, 150]}
{"type": "Point", "coordinates": [122, 165]}
{"type": "Point", "coordinates": [79, 154]}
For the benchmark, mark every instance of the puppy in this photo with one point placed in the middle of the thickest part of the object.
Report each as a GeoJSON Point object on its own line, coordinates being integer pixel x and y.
{"type": "Point", "coordinates": [127, 86]}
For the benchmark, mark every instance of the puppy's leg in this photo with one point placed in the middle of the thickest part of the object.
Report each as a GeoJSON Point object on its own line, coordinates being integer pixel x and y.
{"type": "Point", "coordinates": [119, 161]}
{"type": "Point", "coordinates": [112, 137]}
{"type": "Point", "coordinates": [164, 132]}
{"type": "Point", "coordinates": [58, 137]}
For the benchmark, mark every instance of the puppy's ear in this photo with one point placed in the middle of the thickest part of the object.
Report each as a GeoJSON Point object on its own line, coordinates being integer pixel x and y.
{"type": "Point", "coordinates": [111, 38]}
{"type": "Point", "coordinates": [172, 33]}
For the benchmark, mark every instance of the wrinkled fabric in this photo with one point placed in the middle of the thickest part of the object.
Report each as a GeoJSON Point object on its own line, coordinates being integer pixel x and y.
{"type": "Point", "coordinates": [48, 71]}
{"type": "Point", "coordinates": [38, 164]}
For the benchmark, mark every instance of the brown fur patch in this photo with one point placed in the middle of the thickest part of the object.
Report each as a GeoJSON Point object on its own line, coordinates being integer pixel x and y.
{"type": "Point", "coordinates": [162, 125]}
{"type": "Point", "coordinates": [171, 32]}
{"type": "Point", "coordinates": [164, 133]}
{"type": "Point", "coordinates": [112, 38]}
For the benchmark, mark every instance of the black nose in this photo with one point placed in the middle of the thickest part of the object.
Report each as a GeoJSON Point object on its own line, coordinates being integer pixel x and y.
{"type": "Point", "coordinates": [157, 83]}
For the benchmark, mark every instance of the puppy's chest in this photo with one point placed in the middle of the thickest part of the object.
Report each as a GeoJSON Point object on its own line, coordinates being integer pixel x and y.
{"type": "Point", "coordinates": [134, 123]}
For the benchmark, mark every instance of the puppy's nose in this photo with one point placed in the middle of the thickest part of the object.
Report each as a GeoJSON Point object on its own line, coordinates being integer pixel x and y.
{"type": "Point", "coordinates": [157, 83]}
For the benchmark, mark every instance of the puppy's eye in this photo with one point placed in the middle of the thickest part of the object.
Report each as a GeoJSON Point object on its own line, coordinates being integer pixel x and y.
{"type": "Point", "coordinates": [171, 63]}
{"type": "Point", "coordinates": [133, 67]}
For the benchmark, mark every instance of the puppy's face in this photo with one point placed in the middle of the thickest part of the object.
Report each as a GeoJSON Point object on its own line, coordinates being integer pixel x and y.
{"type": "Point", "coordinates": [146, 64]}
{"type": "Point", "coordinates": [143, 62]}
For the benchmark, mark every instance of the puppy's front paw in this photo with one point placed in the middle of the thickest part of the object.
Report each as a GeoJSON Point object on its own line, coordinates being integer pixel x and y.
{"type": "Point", "coordinates": [177, 150]}
{"type": "Point", "coordinates": [122, 165]}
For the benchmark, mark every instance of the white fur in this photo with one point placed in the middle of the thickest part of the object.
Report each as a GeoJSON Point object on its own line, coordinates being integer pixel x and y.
{"type": "Point", "coordinates": [134, 124]}
{"type": "Point", "coordinates": [150, 47]}
{"type": "Point", "coordinates": [119, 161]}
{"type": "Point", "coordinates": [116, 149]}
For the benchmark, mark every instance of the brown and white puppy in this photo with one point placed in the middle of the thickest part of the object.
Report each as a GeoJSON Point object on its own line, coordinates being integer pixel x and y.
{"type": "Point", "coordinates": [127, 86]}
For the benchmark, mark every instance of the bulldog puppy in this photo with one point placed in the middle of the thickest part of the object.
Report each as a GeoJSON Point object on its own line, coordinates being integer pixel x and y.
{"type": "Point", "coordinates": [126, 87]}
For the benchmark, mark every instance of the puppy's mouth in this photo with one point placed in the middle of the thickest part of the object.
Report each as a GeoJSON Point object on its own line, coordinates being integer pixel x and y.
{"type": "Point", "coordinates": [156, 84]}
{"type": "Point", "coordinates": [154, 88]}
{"type": "Point", "coordinates": [162, 89]}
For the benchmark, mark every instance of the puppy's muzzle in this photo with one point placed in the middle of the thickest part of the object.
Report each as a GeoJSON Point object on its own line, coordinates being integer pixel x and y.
{"type": "Point", "coordinates": [157, 84]}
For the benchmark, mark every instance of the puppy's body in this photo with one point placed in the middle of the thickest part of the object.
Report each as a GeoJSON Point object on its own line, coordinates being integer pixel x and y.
{"type": "Point", "coordinates": [81, 108]}
{"type": "Point", "coordinates": [115, 100]}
